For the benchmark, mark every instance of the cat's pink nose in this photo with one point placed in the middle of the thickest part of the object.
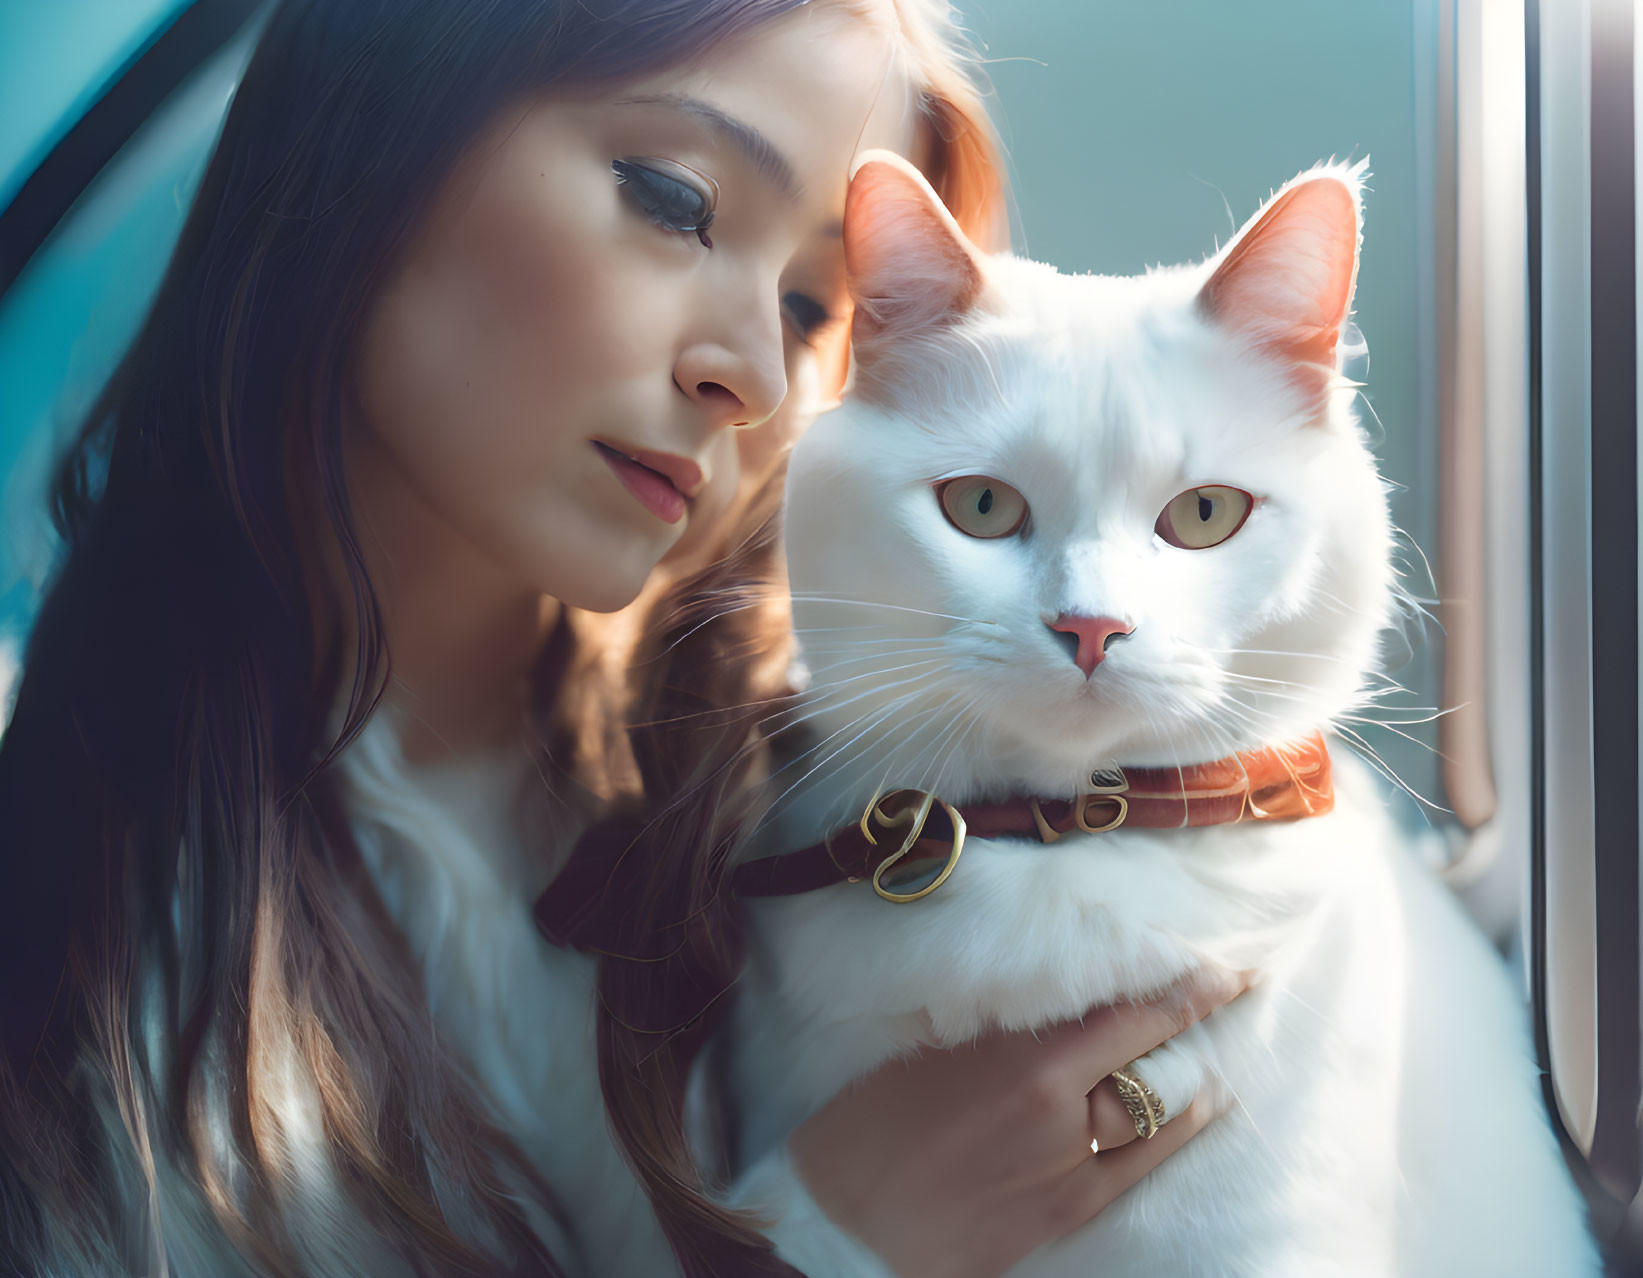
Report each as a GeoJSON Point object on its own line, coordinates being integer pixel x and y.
{"type": "Point", "coordinates": [1094, 634]}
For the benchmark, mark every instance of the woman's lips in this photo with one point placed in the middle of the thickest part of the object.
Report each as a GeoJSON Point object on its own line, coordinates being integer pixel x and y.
{"type": "Point", "coordinates": [681, 472]}
{"type": "Point", "coordinates": [653, 490]}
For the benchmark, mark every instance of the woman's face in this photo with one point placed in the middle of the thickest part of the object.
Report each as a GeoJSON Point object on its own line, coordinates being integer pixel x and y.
{"type": "Point", "coordinates": [614, 286]}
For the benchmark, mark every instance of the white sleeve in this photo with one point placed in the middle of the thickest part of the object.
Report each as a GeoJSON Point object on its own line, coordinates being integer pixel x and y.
{"type": "Point", "coordinates": [773, 1194]}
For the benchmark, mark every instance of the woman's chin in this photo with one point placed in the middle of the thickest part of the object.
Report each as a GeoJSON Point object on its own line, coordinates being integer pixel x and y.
{"type": "Point", "coordinates": [609, 593]}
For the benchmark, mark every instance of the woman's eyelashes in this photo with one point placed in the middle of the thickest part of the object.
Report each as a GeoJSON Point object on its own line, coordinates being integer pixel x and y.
{"type": "Point", "coordinates": [671, 195]}
{"type": "Point", "coordinates": [676, 197]}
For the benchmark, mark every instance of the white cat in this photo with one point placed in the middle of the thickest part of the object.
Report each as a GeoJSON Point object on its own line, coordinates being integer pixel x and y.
{"type": "Point", "coordinates": [1066, 524]}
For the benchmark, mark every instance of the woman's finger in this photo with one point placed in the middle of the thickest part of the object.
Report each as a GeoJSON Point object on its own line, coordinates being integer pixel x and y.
{"type": "Point", "coordinates": [1102, 1177]}
{"type": "Point", "coordinates": [1111, 1037]}
{"type": "Point", "coordinates": [1110, 1121]}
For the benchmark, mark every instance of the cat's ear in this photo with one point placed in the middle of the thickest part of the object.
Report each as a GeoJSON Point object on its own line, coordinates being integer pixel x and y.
{"type": "Point", "coordinates": [1286, 279]}
{"type": "Point", "coordinates": [909, 265]}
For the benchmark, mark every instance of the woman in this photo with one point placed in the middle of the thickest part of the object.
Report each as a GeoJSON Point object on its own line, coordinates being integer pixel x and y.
{"type": "Point", "coordinates": [485, 309]}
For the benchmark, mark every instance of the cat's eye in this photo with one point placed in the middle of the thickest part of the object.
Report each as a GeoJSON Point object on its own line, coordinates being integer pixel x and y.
{"type": "Point", "coordinates": [672, 195]}
{"type": "Point", "coordinates": [981, 506]}
{"type": "Point", "coordinates": [1203, 517]}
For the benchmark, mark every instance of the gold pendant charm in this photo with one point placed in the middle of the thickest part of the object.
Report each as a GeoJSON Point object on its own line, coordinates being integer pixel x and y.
{"type": "Point", "coordinates": [899, 878]}
{"type": "Point", "coordinates": [1081, 812]}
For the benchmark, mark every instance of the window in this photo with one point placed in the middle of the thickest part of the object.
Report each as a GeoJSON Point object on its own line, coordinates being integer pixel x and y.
{"type": "Point", "coordinates": [100, 160]}
{"type": "Point", "coordinates": [1584, 482]}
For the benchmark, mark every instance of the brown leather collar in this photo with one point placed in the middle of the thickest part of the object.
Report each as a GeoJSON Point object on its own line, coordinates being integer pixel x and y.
{"type": "Point", "coordinates": [1278, 783]}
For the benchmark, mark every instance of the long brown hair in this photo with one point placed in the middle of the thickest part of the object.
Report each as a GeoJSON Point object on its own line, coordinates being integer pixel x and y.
{"type": "Point", "coordinates": [647, 888]}
{"type": "Point", "coordinates": [193, 949]}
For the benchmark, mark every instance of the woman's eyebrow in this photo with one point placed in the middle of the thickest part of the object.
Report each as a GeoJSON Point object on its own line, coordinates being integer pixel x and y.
{"type": "Point", "coordinates": [768, 162]}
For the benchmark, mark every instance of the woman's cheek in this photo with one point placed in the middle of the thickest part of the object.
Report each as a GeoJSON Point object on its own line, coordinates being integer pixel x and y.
{"type": "Point", "coordinates": [763, 447]}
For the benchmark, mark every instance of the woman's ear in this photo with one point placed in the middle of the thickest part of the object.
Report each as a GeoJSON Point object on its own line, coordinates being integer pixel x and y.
{"type": "Point", "coordinates": [1286, 279]}
{"type": "Point", "coordinates": [910, 267]}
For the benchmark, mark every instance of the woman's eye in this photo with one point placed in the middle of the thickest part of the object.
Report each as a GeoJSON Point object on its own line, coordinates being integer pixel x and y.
{"type": "Point", "coordinates": [807, 316]}
{"type": "Point", "coordinates": [1203, 517]}
{"type": "Point", "coordinates": [981, 506]}
{"type": "Point", "coordinates": [674, 196]}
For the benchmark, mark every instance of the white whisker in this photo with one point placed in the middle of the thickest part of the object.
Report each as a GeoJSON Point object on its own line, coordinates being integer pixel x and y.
{"type": "Point", "coordinates": [799, 597]}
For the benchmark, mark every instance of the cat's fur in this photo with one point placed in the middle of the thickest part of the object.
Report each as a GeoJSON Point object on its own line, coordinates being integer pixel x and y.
{"type": "Point", "coordinates": [1386, 1116]}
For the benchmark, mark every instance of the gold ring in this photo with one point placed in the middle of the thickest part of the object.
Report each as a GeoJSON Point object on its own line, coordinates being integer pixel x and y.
{"type": "Point", "coordinates": [1146, 1110]}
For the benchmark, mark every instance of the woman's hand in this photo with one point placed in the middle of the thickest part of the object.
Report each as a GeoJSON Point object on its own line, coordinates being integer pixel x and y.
{"type": "Point", "coordinates": [957, 1163]}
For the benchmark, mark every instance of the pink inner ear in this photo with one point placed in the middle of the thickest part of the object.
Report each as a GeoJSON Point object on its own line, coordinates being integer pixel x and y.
{"type": "Point", "coordinates": [909, 264]}
{"type": "Point", "coordinates": [1287, 281]}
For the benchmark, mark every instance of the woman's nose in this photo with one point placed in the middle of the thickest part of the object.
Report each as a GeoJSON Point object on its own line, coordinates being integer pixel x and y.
{"type": "Point", "coordinates": [739, 382]}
